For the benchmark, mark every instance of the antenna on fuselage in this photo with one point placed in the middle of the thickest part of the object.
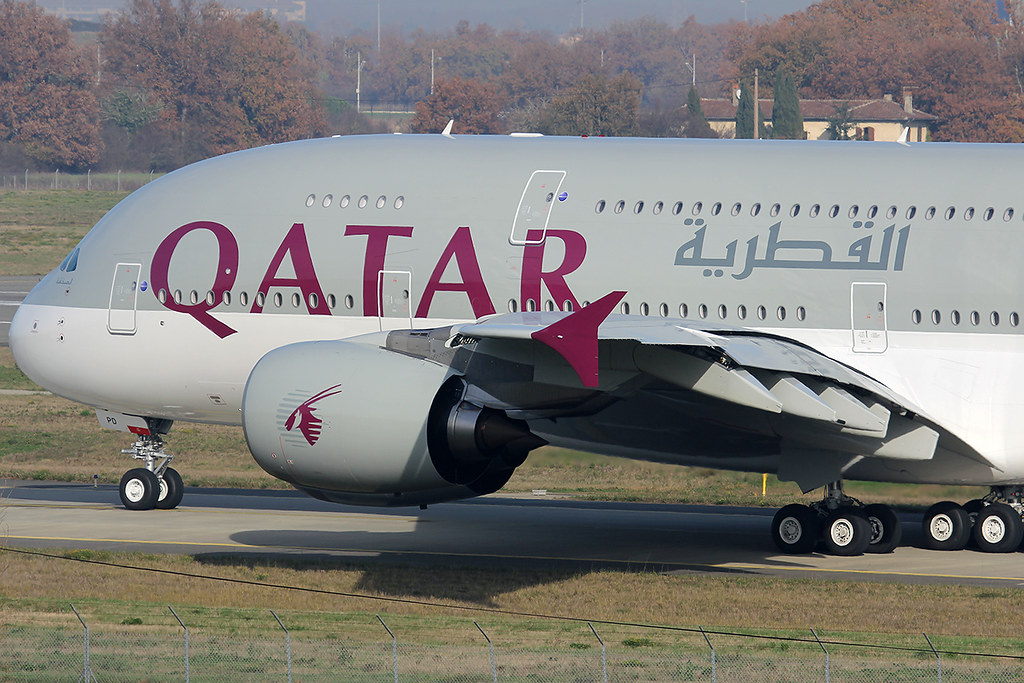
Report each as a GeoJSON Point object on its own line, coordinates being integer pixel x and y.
{"type": "Point", "coordinates": [447, 132]}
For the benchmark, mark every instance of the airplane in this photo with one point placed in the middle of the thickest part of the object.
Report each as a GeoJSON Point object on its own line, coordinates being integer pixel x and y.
{"type": "Point", "coordinates": [400, 319]}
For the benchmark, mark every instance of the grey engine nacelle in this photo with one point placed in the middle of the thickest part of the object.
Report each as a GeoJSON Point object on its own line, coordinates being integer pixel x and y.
{"type": "Point", "coordinates": [355, 423]}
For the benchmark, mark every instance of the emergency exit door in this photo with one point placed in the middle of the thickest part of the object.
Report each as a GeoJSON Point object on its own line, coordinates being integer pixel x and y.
{"type": "Point", "coordinates": [867, 305]}
{"type": "Point", "coordinates": [542, 193]}
{"type": "Point", "coordinates": [394, 289]}
{"type": "Point", "coordinates": [124, 291]}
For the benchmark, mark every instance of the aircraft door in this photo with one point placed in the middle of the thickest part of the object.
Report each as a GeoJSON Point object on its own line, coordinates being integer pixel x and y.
{"type": "Point", "coordinates": [541, 194]}
{"type": "Point", "coordinates": [394, 302]}
{"type": "Point", "coordinates": [124, 291]}
{"type": "Point", "coordinates": [867, 306]}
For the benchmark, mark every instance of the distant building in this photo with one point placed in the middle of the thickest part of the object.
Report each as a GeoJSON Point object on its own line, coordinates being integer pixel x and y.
{"type": "Point", "coordinates": [883, 119]}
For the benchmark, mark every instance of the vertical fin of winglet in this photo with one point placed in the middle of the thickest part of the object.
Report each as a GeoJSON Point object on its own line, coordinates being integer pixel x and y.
{"type": "Point", "coordinates": [574, 337]}
{"type": "Point", "coordinates": [447, 132]}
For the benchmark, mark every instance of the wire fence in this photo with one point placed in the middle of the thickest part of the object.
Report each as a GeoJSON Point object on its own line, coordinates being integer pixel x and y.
{"type": "Point", "coordinates": [364, 649]}
{"type": "Point", "coordinates": [114, 181]}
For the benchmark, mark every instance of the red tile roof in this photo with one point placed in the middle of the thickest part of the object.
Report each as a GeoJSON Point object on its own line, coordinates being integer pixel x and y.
{"type": "Point", "coordinates": [821, 110]}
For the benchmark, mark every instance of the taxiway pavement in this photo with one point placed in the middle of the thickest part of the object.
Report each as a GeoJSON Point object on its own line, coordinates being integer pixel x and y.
{"type": "Point", "coordinates": [494, 531]}
{"type": "Point", "coordinates": [13, 288]}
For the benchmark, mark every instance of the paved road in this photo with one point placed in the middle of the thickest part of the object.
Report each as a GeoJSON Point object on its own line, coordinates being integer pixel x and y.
{"type": "Point", "coordinates": [493, 531]}
{"type": "Point", "coordinates": [13, 289]}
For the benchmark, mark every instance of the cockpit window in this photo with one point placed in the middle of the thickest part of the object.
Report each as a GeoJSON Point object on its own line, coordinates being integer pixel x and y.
{"type": "Point", "coordinates": [70, 262]}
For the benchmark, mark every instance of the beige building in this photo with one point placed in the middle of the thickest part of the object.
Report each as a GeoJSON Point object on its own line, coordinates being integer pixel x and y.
{"type": "Point", "coordinates": [883, 119]}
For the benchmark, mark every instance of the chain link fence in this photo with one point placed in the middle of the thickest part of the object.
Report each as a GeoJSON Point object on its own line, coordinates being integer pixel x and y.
{"type": "Point", "coordinates": [174, 650]}
{"type": "Point", "coordinates": [114, 181]}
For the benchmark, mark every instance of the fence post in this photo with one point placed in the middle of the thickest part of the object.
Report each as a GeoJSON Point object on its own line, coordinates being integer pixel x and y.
{"type": "Point", "coordinates": [288, 644]}
{"type": "Point", "coordinates": [394, 646]}
{"type": "Point", "coordinates": [118, 180]}
{"type": "Point", "coordinates": [714, 662]}
{"type": "Point", "coordinates": [26, 178]}
{"type": "Point", "coordinates": [822, 645]}
{"type": "Point", "coordinates": [88, 179]}
{"type": "Point", "coordinates": [87, 674]}
{"type": "Point", "coordinates": [490, 645]}
{"type": "Point", "coordinates": [186, 641]}
{"type": "Point", "coordinates": [604, 655]}
{"type": "Point", "coordinates": [938, 659]}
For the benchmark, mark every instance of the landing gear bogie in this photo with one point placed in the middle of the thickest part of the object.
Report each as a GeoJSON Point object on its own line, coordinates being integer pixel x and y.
{"type": "Point", "coordinates": [839, 523]}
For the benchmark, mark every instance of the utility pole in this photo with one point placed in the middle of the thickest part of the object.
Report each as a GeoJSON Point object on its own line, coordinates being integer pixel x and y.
{"type": "Point", "coordinates": [693, 69]}
{"type": "Point", "coordinates": [359, 78]}
{"type": "Point", "coordinates": [757, 109]}
{"type": "Point", "coordinates": [581, 13]}
{"type": "Point", "coordinates": [431, 71]}
{"type": "Point", "coordinates": [744, 10]}
{"type": "Point", "coordinates": [378, 29]}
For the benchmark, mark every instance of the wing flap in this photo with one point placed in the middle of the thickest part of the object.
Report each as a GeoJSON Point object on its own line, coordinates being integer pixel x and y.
{"type": "Point", "coordinates": [810, 401]}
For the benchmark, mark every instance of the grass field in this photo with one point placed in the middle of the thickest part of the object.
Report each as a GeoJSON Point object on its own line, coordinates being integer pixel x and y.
{"type": "Point", "coordinates": [42, 436]}
{"type": "Point", "coordinates": [39, 227]}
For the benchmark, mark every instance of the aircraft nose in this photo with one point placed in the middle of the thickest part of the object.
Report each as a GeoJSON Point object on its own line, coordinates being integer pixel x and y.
{"type": "Point", "coordinates": [24, 338]}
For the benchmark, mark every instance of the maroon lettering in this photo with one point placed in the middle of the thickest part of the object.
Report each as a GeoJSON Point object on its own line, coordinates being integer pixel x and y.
{"type": "Point", "coordinates": [294, 245]}
{"type": "Point", "coordinates": [533, 266]}
{"type": "Point", "coordinates": [376, 249]}
{"type": "Point", "coordinates": [460, 247]}
{"type": "Point", "coordinates": [227, 269]}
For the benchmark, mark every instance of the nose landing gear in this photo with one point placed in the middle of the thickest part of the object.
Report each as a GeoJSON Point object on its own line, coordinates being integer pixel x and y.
{"type": "Point", "coordinates": [155, 485]}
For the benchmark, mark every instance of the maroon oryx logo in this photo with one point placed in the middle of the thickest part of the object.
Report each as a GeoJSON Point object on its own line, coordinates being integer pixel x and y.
{"type": "Point", "coordinates": [310, 424]}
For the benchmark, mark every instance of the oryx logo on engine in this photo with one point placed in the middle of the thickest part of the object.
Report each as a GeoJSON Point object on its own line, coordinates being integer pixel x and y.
{"type": "Point", "coordinates": [309, 424]}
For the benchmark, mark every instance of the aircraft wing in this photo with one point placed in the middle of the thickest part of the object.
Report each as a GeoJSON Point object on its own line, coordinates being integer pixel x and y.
{"type": "Point", "coordinates": [779, 387]}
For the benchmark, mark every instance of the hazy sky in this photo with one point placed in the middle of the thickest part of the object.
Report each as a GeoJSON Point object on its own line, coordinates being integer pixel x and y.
{"type": "Point", "coordinates": [557, 16]}
{"type": "Point", "coordinates": [554, 15]}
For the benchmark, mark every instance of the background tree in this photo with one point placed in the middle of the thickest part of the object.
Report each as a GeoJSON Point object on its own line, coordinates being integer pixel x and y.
{"type": "Point", "coordinates": [595, 106]}
{"type": "Point", "coordinates": [696, 124]}
{"type": "Point", "coordinates": [473, 104]}
{"type": "Point", "coordinates": [840, 123]}
{"type": "Point", "coordinates": [48, 109]}
{"type": "Point", "coordinates": [745, 114]}
{"type": "Point", "coordinates": [228, 81]}
{"type": "Point", "coordinates": [960, 57]}
{"type": "Point", "coordinates": [787, 119]}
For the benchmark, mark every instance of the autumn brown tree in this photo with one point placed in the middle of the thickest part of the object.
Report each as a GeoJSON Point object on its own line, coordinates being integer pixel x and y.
{"type": "Point", "coordinates": [48, 109]}
{"type": "Point", "coordinates": [957, 56]}
{"type": "Point", "coordinates": [473, 104]}
{"type": "Point", "coordinates": [226, 81]}
{"type": "Point", "coordinates": [596, 106]}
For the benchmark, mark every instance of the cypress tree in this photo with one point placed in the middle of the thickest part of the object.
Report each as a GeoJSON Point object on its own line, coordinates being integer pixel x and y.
{"type": "Point", "coordinates": [745, 112]}
{"type": "Point", "coordinates": [696, 125]}
{"type": "Point", "coordinates": [787, 119]}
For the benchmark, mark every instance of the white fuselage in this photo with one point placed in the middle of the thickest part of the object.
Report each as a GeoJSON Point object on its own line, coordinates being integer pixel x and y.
{"type": "Point", "coordinates": [432, 246]}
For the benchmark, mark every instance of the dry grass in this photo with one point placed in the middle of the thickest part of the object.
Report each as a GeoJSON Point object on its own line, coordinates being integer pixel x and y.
{"type": "Point", "coordinates": [37, 590]}
{"type": "Point", "coordinates": [40, 227]}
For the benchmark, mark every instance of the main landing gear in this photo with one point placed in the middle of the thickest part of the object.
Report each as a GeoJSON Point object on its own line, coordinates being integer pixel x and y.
{"type": "Point", "coordinates": [993, 523]}
{"type": "Point", "coordinates": [155, 485]}
{"type": "Point", "coordinates": [843, 525]}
